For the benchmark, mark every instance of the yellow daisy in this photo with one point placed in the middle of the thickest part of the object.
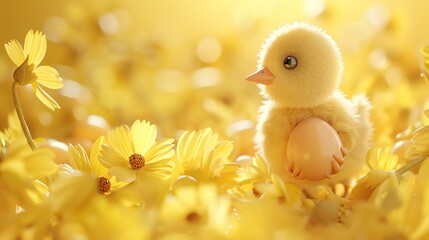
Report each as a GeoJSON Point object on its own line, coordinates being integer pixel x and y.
{"type": "Point", "coordinates": [134, 155]}
{"type": "Point", "coordinates": [204, 157]}
{"type": "Point", "coordinates": [382, 164]}
{"type": "Point", "coordinates": [256, 171]}
{"type": "Point", "coordinates": [286, 193]}
{"type": "Point", "coordinates": [192, 207]}
{"type": "Point", "coordinates": [80, 161]}
{"type": "Point", "coordinates": [29, 72]}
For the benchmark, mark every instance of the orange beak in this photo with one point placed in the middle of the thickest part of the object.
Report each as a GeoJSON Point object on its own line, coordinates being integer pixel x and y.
{"type": "Point", "coordinates": [263, 76]}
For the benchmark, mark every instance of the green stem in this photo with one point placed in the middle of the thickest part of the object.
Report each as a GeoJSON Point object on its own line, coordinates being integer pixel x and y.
{"type": "Point", "coordinates": [411, 164]}
{"type": "Point", "coordinates": [21, 116]}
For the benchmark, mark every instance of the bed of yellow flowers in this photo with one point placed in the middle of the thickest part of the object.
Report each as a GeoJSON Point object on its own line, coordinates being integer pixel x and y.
{"type": "Point", "coordinates": [147, 134]}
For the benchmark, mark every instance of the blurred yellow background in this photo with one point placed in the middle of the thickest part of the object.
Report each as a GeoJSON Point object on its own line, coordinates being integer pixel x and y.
{"type": "Point", "coordinates": [182, 64]}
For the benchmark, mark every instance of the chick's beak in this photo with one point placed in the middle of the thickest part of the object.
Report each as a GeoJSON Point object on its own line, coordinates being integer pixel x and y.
{"type": "Point", "coordinates": [263, 76]}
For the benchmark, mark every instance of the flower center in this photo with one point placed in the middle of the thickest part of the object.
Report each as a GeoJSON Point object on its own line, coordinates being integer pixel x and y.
{"type": "Point", "coordinates": [256, 193]}
{"type": "Point", "coordinates": [281, 199]}
{"type": "Point", "coordinates": [103, 185]}
{"type": "Point", "coordinates": [193, 217]}
{"type": "Point", "coordinates": [136, 161]}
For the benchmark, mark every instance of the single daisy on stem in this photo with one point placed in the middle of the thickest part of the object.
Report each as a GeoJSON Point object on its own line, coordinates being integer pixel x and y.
{"type": "Point", "coordinates": [133, 155]}
{"type": "Point", "coordinates": [29, 72]}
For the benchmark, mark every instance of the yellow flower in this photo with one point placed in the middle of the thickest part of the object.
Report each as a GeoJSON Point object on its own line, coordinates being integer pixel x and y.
{"type": "Point", "coordinates": [255, 172]}
{"type": "Point", "coordinates": [19, 169]}
{"type": "Point", "coordinates": [70, 193]}
{"type": "Point", "coordinates": [36, 164]}
{"type": "Point", "coordinates": [134, 155]}
{"type": "Point", "coordinates": [12, 131]}
{"type": "Point", "coordinates": [33, 223]}
{"type": "Point", "coordinates": [419, 143]}
{"type": "Point", "coordinates": [205, 158]}
{"type": "Point", "coordinates": [405, 203]}
{"type": "Point", "coordinates": [382, 165]}
{"type": "Point", "coordinates": [83, 213]}
{"type": "Point", "coordinates": [80, 161]}
{"type": "Point", "coordinates": [29, 71]}
{"type": "Point", "coordinates": [285, 193]}
{"type": "Point", "coordinates": [264, 218]}
{"type": "Point", "coordinates": [381, 159]}
{"type": "Point", "coordinates": [195, 206]}
{"type": "Point", "coordinates": [99, 218]}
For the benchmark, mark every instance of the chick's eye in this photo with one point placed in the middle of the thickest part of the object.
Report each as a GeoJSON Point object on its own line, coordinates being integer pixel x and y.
{"type": "Point", "coordinates": [290, 62]}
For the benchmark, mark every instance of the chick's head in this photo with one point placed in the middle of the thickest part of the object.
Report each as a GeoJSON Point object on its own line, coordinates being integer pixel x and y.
{"type": "Point", "coordinates": [299, 66]}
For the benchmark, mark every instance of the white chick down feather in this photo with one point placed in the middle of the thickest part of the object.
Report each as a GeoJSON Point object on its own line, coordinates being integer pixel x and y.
{"type": "Point", "coordinates": [299, 72]}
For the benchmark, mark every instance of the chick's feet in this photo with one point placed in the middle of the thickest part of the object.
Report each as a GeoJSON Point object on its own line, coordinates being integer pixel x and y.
{"type": "Point", "coordinates": [295, 170]}
{"type": "Point", "coordinates": [316, 171]}
{"type": "Point", "coordinates": [338, 161]}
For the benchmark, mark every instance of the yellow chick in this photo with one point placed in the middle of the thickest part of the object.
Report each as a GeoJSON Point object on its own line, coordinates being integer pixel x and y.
{"type": "Point", "coordinates": [299, 72]}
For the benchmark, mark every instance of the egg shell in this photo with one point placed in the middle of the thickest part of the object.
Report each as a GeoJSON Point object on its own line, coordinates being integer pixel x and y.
{"type": "Point", "coordinates": [311, 146]}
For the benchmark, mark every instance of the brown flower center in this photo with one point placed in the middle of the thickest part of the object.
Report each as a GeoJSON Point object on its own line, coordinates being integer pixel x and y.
{"type": "Point", "coordinates": [103, 185]}
{"type": "Point", "coordinates": [193, 217]}
{"type": "Point", "coordinates": [256, 193]}
{"type": "Point", "coordinates": [281, 199]}
{"type": "Point", "coordinates": [136, 161]}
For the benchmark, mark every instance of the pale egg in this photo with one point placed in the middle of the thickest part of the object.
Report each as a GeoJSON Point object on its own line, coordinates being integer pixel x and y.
{"type": "Point", "coordinates": [311, 148]}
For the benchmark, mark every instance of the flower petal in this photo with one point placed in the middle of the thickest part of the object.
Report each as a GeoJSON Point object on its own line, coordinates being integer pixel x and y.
{"type": "Point", "coordinates": [161, 150]}
{"type": "Point", "coordinates": [28, 42]}
{"type": "Point", "coordinates": [48, 77]}
{"type": "Point", "coordinates": [41, 163]}
{"type": "Point", "coordinates": [158, 162]}
{"type": "Point", "coordinates": [94, 156]}
{"type": "Point", "coordinates": [78, 158]}
{"type": "Point", "coordinates": [120, 140]}
{"type": "Point", "coordinates": [149, 176]}
{"type": "Point", "coordinates": [159, 170]}
{"type": "Point", "coordinates": [111, 158]}
{"type": "Point", "coordinates": [71, 193]}
{"type": "Point", "coordinates": [15, 52]}
{"type": "Point", "coordinates": [124, 174]}
{"type": "Point", "coordinates": [44, 97]}
{"type": "Point", "coordinates": [143, 134]}
{"type": "Point", "coordinates": [115, 185]}
{"type": "Point", "coordinates": [35, 47]}
{"type": "Point", "coordinates": [141, 177]}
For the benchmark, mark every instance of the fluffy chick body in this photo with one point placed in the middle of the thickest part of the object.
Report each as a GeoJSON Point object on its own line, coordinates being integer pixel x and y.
{"type": "Point", "coordinates": [310, 89]}
{"type": "Point", "coordinates": [349, 118]}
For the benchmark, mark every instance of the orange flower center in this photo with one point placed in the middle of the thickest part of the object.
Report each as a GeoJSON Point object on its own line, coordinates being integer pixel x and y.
{"type": "Point", "coordinates": [281, 199]}
{"type": "Point", "coordinates": [103, 185]}
{"type": "Point", "coordinates": [256, 193]}
{"type": "Point", "coordinates": [193, 217]}
{"type": "Point", "coordinates": [136, 161]}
